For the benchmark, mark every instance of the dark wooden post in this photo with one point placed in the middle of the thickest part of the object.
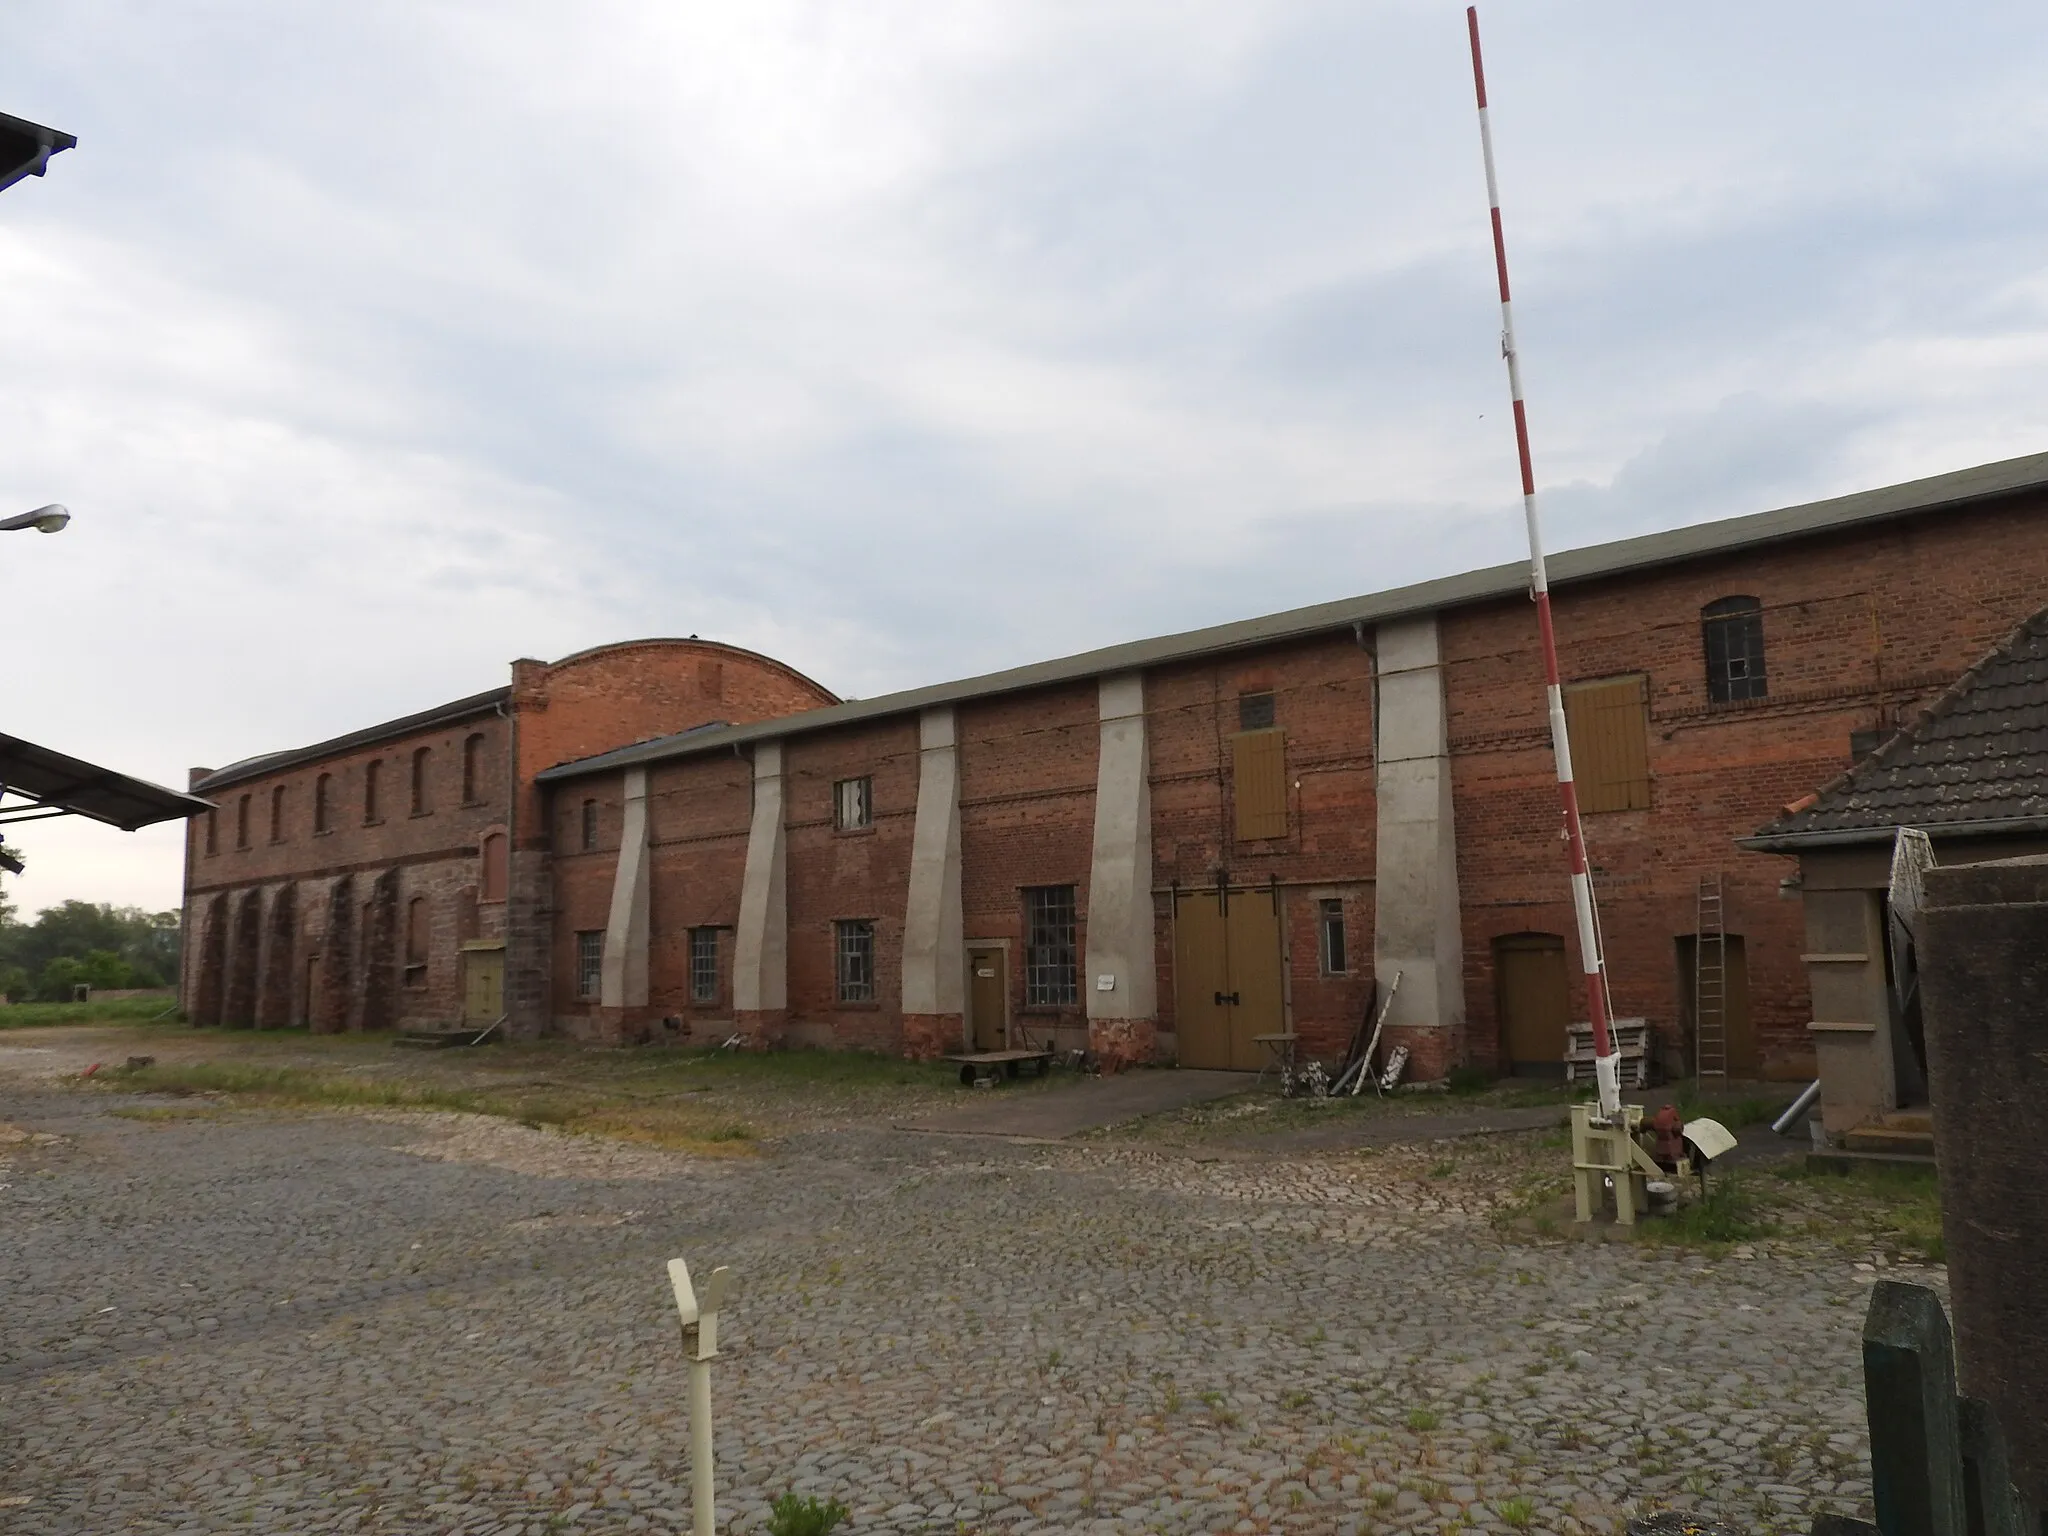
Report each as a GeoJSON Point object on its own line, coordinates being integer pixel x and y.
{"type": "Point", "coordinates": [1994, 1505]}
{"type": "Point", "coordinates": [1909, 1384]}
{"type": "Point", "coordinates": [1983, 951]}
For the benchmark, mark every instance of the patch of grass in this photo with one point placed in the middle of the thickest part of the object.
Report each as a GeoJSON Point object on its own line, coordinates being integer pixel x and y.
{"type": "Point", "coordinates": [1423, 1419]}
{"type": "Point", "coordinates": [159, 1114]}
{"type": "Point", "coordinates": [1729, 1214]}
{"type": "Point", "coordinates": [1467, 1080]}
{"type": "Point", "coordinates": [1516, 1512]}
{"type": "Point", "coordinates": [1892, 1209]}
{"type": "Point", "coordinates": [792, 1516]}
{"type": "Point", "coordinates": [114, 1010]}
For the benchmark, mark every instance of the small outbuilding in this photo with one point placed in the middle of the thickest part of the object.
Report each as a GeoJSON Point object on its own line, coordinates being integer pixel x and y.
{"type": "Point", "coordinates": [1972, 773]}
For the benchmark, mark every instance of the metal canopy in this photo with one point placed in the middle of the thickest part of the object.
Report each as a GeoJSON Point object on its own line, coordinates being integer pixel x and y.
{"type": "Point", "coordinates": [26, 147]}
{"type": "Point", "coordinates": [36, 782]}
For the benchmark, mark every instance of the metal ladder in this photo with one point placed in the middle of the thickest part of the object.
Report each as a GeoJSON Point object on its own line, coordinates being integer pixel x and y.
{"type": "Point", "coordinates": [1710, 982]}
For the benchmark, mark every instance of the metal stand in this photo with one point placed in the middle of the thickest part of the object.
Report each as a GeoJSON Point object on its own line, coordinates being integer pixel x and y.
{"type": "Point", "coordinates": [1607, 1152]}
{"type": "Point", "coordinates": [700, 1340]}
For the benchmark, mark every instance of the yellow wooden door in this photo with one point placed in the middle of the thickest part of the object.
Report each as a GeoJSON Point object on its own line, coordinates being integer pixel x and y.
{"type": "Point", "coordinates": [483, 973]}
{"type": "Point", "coordinates": [988, 998]}
{"type": "Point", "coordinates": [1533, 988]}
{"type": "Point", "coordinates": [1201, 975]}
{"type": "Point", "coordinates": [1257, 1003]}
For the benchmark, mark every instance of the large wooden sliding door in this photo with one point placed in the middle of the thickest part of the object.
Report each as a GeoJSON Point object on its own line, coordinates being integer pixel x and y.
{"type": "Point", "coordinates": [1226, 967]}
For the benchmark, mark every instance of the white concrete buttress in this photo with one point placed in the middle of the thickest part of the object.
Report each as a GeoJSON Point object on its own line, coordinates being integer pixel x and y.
{"type": "Point", "coordinates": [1416, 928]}
{"type": "Point", "coordinates": [1120, 939]}
{"type": "Point", "coordinates": [934, 932]}
{"type": "Point", "coordinates": [760, 979]}
{"type": "Point", "coordinates": [622, 972]}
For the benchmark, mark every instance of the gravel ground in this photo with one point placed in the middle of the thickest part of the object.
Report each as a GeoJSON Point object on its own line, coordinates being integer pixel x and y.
{"type": "Point", "coordinates": [235, 1320]}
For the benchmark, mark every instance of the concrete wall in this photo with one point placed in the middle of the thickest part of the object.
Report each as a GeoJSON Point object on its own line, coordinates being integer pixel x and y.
{"type": "Point", "coordinates": [934, 956]}
{"type": "Point", "coordinates": [1119, 979]}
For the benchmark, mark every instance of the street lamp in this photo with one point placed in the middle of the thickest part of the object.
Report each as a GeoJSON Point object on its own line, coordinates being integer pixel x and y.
{"type": "Point", "coordinates": [50, 519]}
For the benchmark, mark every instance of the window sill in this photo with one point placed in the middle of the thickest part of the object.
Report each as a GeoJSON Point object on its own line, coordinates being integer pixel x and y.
{"type": "Point", "coordinates": [416, 815]}
{"type": "Point", "coordinates": [373, 821]}
{"type": "Point", "coordinates": [1050, 1010]}
{"type": "Point", "coordinates": [866, 831]}
{"type": "Point", "coordinates": [867, 1007]}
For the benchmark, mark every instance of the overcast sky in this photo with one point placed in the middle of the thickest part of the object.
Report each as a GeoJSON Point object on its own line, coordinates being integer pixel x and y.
{"type": "Point", "coordinates": [374, 345]}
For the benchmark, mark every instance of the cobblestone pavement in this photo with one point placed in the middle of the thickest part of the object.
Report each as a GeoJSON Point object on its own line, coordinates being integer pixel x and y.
{"type": "Point", "coordinates": [249, 1320]}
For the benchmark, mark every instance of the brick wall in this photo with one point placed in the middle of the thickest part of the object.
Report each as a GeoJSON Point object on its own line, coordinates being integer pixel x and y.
{"type": "Point", "coordinates": [1860, 628]}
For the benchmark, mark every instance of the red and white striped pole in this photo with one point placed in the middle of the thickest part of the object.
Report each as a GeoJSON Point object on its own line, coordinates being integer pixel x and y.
{"type": "Point", "coordinates": [1605, 1067]}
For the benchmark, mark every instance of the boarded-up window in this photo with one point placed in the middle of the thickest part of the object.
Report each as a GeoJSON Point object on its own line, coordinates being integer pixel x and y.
{"type": "Point", "coordinates": [1259, 778]}
{"type": "Point", "coordinates": [416, 931]}
{"type": "Point", "coordinates": [1609, 724]}
{"type": "Point", "coordinates": [492, 877]}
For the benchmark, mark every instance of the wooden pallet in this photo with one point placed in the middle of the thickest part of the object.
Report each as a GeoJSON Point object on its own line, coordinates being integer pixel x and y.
{"type": "Point", "coordinates": [1631, 1043]}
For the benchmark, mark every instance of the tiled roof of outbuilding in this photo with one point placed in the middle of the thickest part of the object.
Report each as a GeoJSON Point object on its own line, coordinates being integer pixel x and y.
{"type": "Point", "coordinates": [1977, 758]}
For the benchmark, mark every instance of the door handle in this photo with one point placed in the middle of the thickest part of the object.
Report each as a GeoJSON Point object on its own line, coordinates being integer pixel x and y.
{"type": "Point", "coordinates": [1227, 997]}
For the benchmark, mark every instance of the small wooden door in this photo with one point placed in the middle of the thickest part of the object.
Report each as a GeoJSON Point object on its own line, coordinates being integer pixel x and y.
{"type": "Point", "coordinates": [988, 998]}
{"type": "Point", "coordinates": [1742, 1053]}
{"type": "Point", "coordinates": [483, 985]}
{"type": "Point", "coordinates": [1227, 987]}
{"type": "Point", "coordinates": [1533, 988]}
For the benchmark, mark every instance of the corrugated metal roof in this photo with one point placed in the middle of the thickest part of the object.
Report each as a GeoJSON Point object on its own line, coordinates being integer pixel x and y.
{"type": "Point", "coordinates": [272, 762]}
{"type": "Point", "coordinates": [1958, 488]}
{"type": "Point", "coordinates": [1977, 758]}
{"type": "Point", "coordinates": [54, 782]}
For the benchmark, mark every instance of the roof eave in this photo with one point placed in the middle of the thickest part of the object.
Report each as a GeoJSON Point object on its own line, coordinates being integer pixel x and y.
{"type": "Point", "coordinates": [1849, 837]}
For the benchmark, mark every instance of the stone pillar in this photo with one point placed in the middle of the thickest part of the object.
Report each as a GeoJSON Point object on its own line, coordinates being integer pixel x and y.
{"type": "Point", "coordinates": [1983, 953]}
{"type": "Point", "coordinates": [336, 1003]}
{"type": "Point", "coordinates": [1416, 927]}
{"type": "Point", "coordinates": [280, 955]}
{"type": "Point", "coordinates": [934, 932]}
{"type": "Point", "coordinates": [760, 969]}
{"type": "Point", "coordinates": [622, 975]}
{"type": "Point", "coordinates": [1120, 974]}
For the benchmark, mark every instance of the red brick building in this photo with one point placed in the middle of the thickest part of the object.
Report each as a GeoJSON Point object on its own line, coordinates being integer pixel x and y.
{"type": "Point", "coordinates": [373, 880]}
{"type": "Point", "coordinates": [1167, 848]}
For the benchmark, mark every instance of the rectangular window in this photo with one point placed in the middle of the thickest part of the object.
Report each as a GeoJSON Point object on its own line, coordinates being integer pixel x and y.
{"type": "Point", "coordinates": [1608, 723]}
{"type": "Point", "coordinates": [589, 964]}
{"type": "Point", "coordinates": [1052, 969]}
{"type": "Point", "coordinates": [1255, 711]}
{"type": "Point", "coordinates": [1259, 783]}
{"type": "Point", "coordinates": [590, 826]}
{"type": "Point", "coordinates": [856, 944]}
{"type": "Point", "coordinates": [853, 804]}
{"type": "Point", "coordinates": [703, 965]}
{"type": "Point", "coordinates": [1330, 936]}
{"type": "Point", "coordinates": [1732, 633]}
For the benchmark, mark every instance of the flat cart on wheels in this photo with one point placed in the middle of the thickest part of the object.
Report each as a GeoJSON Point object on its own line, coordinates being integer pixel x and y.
{"type": "Point", "coordinates": [994, 1066]}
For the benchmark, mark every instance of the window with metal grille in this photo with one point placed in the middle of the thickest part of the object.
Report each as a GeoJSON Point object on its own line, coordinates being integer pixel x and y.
{"type": "Point", "coordinates": [853, 803]}
{"type": "Point", "coordinates": [703, 965]}
{"type": "Point", "coordinates": [856, 945]}
{"type": "Point", "coordinates": [589, 826]}
{"type": "Point", "coordinates": [1732, 635]}
{"type": "Point", "coordinates": [1609, 726]}
{"type": "Point", "coordinates": [1052, 970]}
{"type": "Point", "coordinates": [589, 963]}
{"type": "Point", "coordinates": [1255, 711]}
{"type": "Point", "coordinates": [1330, 933]}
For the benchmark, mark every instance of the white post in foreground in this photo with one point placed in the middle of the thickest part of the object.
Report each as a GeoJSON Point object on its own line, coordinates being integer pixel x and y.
{"type": "Point", "coordinates": [700, 1342]}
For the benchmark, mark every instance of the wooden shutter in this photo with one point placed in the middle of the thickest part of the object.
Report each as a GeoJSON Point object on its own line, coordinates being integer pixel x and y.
{"type": "Point", "coordinates": [1609, 726]}
{"type": "Point", "coordinates": [1259, 777]}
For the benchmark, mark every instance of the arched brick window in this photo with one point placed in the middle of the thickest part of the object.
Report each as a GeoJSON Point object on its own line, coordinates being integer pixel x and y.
{"type": "Point", "coordinates": [473, 768]}
{"type": "Point", "coordinates": [277, 814]}
{"type": "Point", "coordinates": [242, 822]}
{"type": "Point", "coordinates": [212, 830]}
{"type": "Point", "coordinates": [373, 771]}
{"type": "Point", "coordinates": [491, 883]}
{"type": "Point", "coordinates": [589, 826]}
{"type": "Point", "coordinates": [422, 770]}
{"type": "Point", "coordinates": [323, 799]}
{"type": "Point", "coordinates": [1732, 636]}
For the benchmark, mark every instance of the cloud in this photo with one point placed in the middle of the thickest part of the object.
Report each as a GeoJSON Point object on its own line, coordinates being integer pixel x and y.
{"type": "Point", "coordinates": [376, 345]}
